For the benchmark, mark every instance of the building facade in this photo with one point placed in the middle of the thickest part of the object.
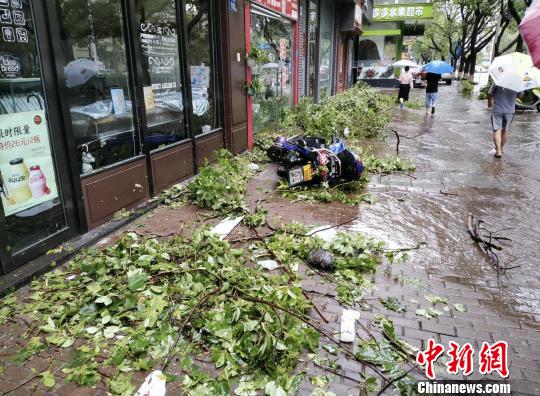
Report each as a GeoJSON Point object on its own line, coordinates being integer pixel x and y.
{"type": "Point", "coordinates": [104, 104]}
{"type": "Point", "coordinates": [393, 28]}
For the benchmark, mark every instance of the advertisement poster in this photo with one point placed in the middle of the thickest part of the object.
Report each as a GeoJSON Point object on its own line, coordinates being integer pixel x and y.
{"type": "Point", "coordinates": [160, 47]}
{"type": "Point", "coordinates": [27, 176]}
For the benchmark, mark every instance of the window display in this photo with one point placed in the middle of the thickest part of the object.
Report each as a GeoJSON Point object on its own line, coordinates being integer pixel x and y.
{"type": "Point", "coordinates": [274, 37]}
{"type": "Point", "coordinates": [326, 50]}
{"type": "Point", "coordinates": [162, 82]}
{"type": "Point", "coordinates": [201, 66]}
{"type": "Point", "coordinates": [96, 77]}
{"type": "Point", "coordinates": [29, 193]}
{"type": "Point", "coordinates": [312, 40]}
{"type": "Point", "coordinates": [376, 55]}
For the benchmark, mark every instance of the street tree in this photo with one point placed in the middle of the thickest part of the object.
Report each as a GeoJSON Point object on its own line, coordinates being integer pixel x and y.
{"type": "Point", "coordinates": [508, 39]}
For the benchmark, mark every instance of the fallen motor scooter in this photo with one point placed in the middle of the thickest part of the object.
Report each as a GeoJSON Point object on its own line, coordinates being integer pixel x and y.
{"type": "Point", "coordinates": [306, 159]}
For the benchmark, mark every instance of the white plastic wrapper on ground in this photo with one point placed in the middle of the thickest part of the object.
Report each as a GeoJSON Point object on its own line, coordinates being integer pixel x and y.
{"type": "Point", "coordinates": [348, 319]}
{"type": "Point", "coordinates": [225, 227]}
{"type": "Point", "coordinates": [153, 385]}
{"type": "Point", "coordinates": [326, 233]}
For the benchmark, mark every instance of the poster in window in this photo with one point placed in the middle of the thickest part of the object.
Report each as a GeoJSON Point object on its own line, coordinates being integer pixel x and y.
{"type": "Point", "coordinates": [119, 101]}
{"type": "Point", "coordinates": [149, 98]}
{"type": "Point", "coordinates": [27, 176]}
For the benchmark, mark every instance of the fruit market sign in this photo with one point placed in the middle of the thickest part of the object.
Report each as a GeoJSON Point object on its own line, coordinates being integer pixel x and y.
{"type": "Point", "coordinates": [402, 12]}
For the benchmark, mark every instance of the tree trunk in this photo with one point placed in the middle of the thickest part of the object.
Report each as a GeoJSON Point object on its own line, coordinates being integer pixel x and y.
{"type": "Point", "coordinates": [472, 66]}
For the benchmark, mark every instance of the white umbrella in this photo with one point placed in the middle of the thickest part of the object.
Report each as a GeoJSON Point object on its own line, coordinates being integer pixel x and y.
{"type": "Point", "coordinates": [405, 62]}
{"type": "Point", "coordinates": [79, 71]}
{"type": "Point", "coordinates": [515, 72]}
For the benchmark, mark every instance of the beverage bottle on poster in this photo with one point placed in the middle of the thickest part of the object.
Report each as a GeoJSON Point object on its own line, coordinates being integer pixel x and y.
{"type": "Point", "coordinates": [38, 182]}
{"type": "Point", "coordinates": [18, 182]}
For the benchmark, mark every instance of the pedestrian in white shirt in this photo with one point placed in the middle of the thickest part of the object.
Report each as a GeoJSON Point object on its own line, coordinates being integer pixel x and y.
{"type": "Point", "coordinates": [405, 85]}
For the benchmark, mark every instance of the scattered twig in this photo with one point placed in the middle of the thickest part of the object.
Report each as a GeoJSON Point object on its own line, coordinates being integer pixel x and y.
{"type": "Point", "coordinates": [37, 374]}
{"type": "Point", "coordinates": [315, 307]}
{"type": "Point", "coordinates": [398, 141]}
{"type": "Point", "coordinates": [486, 243]}
{"type": "Point", "coordinates": [391, 382]}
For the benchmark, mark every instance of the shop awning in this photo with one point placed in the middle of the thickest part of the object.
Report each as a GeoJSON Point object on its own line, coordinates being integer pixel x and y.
{"type": "Point", "coordinates": [386, 32]}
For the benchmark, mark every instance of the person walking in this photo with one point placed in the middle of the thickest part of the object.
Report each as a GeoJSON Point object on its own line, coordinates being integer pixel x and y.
{"type": "Point", "coordinates": [432, 91]}
{"type": "Point", "coordinates": [405, 85]}
{"type": "Point", "coordinates": [502, 113]}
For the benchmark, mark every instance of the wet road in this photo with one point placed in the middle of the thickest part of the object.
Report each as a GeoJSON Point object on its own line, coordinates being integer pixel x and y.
{"type": "Point", "coordinates": [457, 175]}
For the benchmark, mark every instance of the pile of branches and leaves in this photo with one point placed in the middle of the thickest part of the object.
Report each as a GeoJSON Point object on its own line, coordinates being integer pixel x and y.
{"type": "Point", "coordinates": [385, 166]}
{"type": "Point", "coordinates": [220, 186]}
{"type": "Point", "coordinates": [364, 110]}
{"type": "Point", "coordinates": [143, 304]}
{"type": "Point", "coordinates": [352, 193]}
{"type": "Point", "coordinates": [466, 87]}
{"type": "Point", "coordinates": [355, 258]}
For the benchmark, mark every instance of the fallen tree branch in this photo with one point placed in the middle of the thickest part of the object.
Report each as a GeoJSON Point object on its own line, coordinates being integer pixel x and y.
{"type": "Point", "coordinates": [29, 379]}
{"type": "Point", "coordinates": [186, 319]}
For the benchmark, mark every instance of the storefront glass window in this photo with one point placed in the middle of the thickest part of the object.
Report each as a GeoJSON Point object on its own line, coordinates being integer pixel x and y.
{"type": "Point", "coordinates": [274, 36]}
{"type": "Point", "coordinates": [312, 28]}
{"type": "Point", "coordinates": [162, 84]}
{"type": "Point", "coordinates": [201, 66]}
{"type": "Point", "coordinates": [326, 49]}
{"type": "Point", "coordinates": [30, 195]}
{"type": "Point", "coordinates": [96, 80]}
{"type": "Point", "coordinates": [376, 55]}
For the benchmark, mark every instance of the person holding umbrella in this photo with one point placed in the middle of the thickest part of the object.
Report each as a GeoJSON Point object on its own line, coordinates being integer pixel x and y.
{"type": "Point", "coordinates": [434, 71]}
{"type": "Point", "coordinates": [511, 74]}
{"type": "Point", "coordinates": [405, 85]}
{"type": "Point", "coordinates": [405, 80]}
{"type": "Point", "coordinates": [502, 114]}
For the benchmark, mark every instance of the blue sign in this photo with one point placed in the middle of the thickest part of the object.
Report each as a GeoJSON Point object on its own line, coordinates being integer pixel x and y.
{"type": "Point", "coordinates": [232, 6]}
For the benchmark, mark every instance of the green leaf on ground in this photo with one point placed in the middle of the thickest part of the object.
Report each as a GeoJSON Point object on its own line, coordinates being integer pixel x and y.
{"type": "Point", "coordinates": [428, 313]}
{"type": "Point", "coordinates": [432, 298]}
{"type": "Point", "coordinates": [136, 279]}
{"type": "Point", "coordinates": [48, 379]}
{"type": "Point", "coordinates": [393, 304]}
{"type": "Point", "coordinates": [459, 307]}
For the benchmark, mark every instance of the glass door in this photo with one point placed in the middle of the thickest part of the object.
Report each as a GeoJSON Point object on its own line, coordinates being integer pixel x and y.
{"type": "Point", "coordinates": [273, 35]}
{"type": "Point", "coordinates": [162, 83]}
{"type": "Point", "coordinates": [33, 216]}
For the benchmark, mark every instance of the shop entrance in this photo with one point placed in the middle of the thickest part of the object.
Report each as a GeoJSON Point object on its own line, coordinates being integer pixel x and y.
{"type": "Point", "coordinates": [139, 95]}
{"type": "Point", "coordinates": [37, 210]}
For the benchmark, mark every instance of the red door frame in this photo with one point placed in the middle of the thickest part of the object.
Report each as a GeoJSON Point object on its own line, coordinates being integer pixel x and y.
{"type": "Point", "coordinates": [247, 28]}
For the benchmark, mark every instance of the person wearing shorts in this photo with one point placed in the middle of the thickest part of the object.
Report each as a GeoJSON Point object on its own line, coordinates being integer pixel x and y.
{"type": "Point", "coordinates": [432, 91]}
{"type": "Point", "coordinates": [502, 114]}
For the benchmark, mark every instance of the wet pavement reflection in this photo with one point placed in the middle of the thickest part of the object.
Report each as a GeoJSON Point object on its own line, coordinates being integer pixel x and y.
{"type": "Point", "coordinates": [457, 174]}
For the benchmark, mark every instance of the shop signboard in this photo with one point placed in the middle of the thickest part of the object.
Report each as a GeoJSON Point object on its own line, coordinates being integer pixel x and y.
{"type": "Point", "coordinates": [291, 9]}
{"type": "Point", "coordinates": [285, 7]}
{"type": "Point", "coordinates": [276, 5]}
{"type": "Point", "coordinates": [27, 176]}
{"type": "Point", "coordinates": [402, 12]}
